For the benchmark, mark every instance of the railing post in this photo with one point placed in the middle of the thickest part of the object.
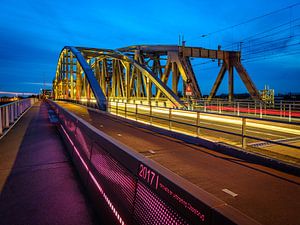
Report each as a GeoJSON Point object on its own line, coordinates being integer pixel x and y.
{"type": "Point", "coordinates": [280, 108]}
{"type": "Point", "coordinates": [11, 113]}
{"type": "Point", "coordinates": [238, 109]}
{"type": "Point", "coordinates": [150, 114]}
{"type": "Point", "coordinates": [204, 106]}
{"type": "Point", "coordinates": [260, 111]}
{"type": "Point", "coordinates": [18, 109]}
{"type": "Point", "coordinates": [197, 124]}
{"type": "Point", "coordinates": [107, 106]}
{"type": "Point", "coordinates": [244, 139]}
{"type": "Point", "coordinates": [125, 109]}
{"type": "Point", "coordinates": [290, 113]}
{"type": "Point", "coordinates": [117, 108]}
{"type": "Point", "coordinates": [6, 117]}
{"type": "Point", "coordinates": [14, 111]}
{"type": "Point", "coordinates": [136, 112]}
{"type": "Point", "coordinates": [1, 127]}
{"type": "Point", "coordinates": [170, 118]}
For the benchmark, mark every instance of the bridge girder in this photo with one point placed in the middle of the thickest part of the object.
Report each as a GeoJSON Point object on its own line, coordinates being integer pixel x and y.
{"type": "Point", "coordinates": [140, 72]}
{"type": "Point", "coordinates": [179, 65]}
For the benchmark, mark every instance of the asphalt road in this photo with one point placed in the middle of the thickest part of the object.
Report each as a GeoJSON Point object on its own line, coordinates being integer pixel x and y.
{"type": "Point", "coordinates": [271, 197]}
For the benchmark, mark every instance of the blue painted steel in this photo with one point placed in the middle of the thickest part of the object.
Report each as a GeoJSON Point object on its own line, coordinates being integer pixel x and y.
{"type": "Point", "coordinates": [98, 93]}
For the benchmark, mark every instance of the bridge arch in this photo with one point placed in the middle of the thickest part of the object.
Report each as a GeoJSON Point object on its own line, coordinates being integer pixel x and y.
{"type": "Point", "coordinates": [92, 73]}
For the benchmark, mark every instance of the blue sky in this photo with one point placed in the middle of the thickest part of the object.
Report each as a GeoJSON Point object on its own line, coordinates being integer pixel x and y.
{"type": "Point", "coordinates": [33, 32]}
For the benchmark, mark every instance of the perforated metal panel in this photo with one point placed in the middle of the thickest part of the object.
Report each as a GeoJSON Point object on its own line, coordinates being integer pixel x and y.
{"type": "Point", "coordinates": [83, 140]}
{"type": "Point", "coordinates": [150, 209]}
{"type": "Point", "coordinates": [117, 182]}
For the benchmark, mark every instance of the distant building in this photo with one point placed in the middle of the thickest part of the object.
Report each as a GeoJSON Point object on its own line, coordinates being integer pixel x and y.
{"type": "Point", "coordinates": [46, 93]}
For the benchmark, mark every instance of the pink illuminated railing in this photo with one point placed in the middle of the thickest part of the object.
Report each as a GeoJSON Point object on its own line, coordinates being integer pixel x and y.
{"type": "Point", "coordinates": [128, 188]}
{"type": "Point", "coordinates": [9, 113]}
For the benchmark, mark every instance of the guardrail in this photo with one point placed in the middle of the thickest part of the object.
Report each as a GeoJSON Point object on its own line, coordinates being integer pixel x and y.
{"type": "Point", "coordinates": [283, 110]}
{"type": "Point", "coordinates": [190, 122]}
{"type": "Point", "coordinates": [134, 189]}
{"type": "Point", "coordinates": [9, 113]}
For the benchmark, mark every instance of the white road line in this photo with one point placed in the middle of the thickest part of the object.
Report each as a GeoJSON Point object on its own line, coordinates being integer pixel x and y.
{"type": "Point", "coordinates": [284, 140]}
{"type": "Point", "coordinates": [229, 192]}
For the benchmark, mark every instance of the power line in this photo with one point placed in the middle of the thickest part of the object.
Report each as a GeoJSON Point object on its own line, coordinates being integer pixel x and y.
{"type": "Point", "coordinates": [247, 21]}
{"type": "Point", "coordinates": [271, 57]}
{"type": "Point", "coordinates": [271, 29]}
{"type": "Point", "coordinates": [281, 31]}
{"type": "Point", "coordinates": [265, 46]}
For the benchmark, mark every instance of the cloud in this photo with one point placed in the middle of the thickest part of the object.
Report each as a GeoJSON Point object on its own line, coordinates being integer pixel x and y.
{"type": "Point", "coordinates": [38, 83]}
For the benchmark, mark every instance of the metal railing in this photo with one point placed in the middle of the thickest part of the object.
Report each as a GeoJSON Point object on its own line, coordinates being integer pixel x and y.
{"type": "Point", "coordinates": [10, 112]}
{"type": "Point", "coordinates": [282, 110]}
{"type": "Point", "coordinates": [231, 129]}
{"type": "Point", "coordinates": [134, 189]}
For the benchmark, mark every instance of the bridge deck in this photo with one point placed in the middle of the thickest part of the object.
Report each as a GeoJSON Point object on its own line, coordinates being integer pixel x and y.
{"type": "Point", "coordinates": [267, 195]}
{"type": "Point", "coordinates": [37, 183]}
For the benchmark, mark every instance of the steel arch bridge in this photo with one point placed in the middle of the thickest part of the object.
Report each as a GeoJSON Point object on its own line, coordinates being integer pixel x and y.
{"type": "Point", "coordinates": [143, 72]}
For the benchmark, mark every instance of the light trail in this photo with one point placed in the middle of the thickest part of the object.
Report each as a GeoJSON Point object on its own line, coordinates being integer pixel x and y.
{"type": "Point", "coordinates": [214, 118]}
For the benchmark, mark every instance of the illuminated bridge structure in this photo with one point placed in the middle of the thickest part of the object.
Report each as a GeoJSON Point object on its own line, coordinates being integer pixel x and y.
{"type": "Point", "coordinates": [140, 169]}
{"type": "Point", "coordinates": [142, 72]}
{"type": "Point", "coordinates": [141, 174]}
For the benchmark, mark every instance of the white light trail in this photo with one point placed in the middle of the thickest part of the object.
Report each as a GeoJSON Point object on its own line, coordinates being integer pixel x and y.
{"type": "Point", "coordinates": [216, 118]}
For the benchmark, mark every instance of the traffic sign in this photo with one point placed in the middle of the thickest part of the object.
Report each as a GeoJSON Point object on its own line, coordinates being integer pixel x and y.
{"type": "Point", "coordinates": [188, 90]}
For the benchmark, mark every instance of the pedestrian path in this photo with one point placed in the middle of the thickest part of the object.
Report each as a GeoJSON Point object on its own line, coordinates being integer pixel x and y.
{"type": "Point", "coordinates": [38, 184]}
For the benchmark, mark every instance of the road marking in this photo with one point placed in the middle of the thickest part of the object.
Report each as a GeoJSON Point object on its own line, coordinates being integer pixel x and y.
{"type": "Point", "coordinates": [229, 192]}
{"type": "Point", "coordinates": [265, 144]}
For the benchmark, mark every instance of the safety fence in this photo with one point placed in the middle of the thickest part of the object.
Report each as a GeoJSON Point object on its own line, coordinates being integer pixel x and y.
{"type": "Point", "coordinates": [133, 189]}
{"type": "Point", "coordinates": [244, 132]}
{"type": "Point", "coordinates": [282, 110]}
{"type": "Point", "coordinates": [10, 112]}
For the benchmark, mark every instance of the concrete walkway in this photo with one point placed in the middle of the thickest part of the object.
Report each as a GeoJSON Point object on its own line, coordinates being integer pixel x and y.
{"type": "Point", "coordinates": [37, 182]}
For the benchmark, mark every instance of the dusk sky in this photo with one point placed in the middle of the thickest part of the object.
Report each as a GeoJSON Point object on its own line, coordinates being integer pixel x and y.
{"type": "Point", "coordinates": [33, 32]}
